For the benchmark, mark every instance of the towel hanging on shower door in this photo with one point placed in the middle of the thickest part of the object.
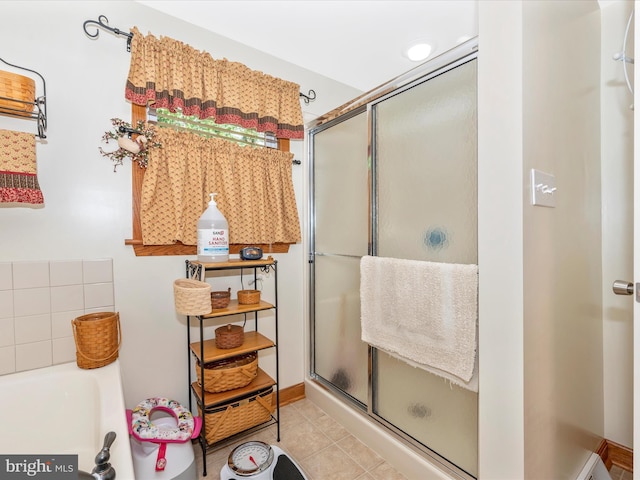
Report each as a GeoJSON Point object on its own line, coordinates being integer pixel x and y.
{"type": "Point", "coordinates": [424, 313]}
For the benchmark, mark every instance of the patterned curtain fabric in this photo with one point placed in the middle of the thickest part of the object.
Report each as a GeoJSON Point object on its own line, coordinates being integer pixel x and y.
{"type": "Point", "coordinates": [254, 187]}
{"type": "Point", "coordinates": [171, 74]}
{"type": "Point", "coordinates": [18, 170]}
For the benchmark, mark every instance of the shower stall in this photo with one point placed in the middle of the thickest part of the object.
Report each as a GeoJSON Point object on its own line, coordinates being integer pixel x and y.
{"type": "Point", "coordinates": [394, 174]}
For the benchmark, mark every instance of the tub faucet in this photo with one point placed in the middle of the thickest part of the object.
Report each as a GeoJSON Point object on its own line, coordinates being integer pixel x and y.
{"type": "Point", "coordinates": [103, 469]}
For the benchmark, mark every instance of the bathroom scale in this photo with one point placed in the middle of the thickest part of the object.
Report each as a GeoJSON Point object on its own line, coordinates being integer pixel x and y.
{"type": "Point", "coordinates": [257, 460]}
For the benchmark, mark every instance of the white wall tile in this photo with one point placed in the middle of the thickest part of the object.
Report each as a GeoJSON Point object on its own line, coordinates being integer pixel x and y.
{"type": "Point", "coordinates": [98, 295]}
{"type": "Point", "coordinates": [31, 301]}
{"type": "Point", "coordinates": [33, 355]}
{"type": "Point", "coordinates": [6, 276]}
{"type": "Point", "coordinates": [7, 360]}
{"type": "Point", "coordinates": [30, 274]}
{"type": "Point", "coordinates": [39, 300]}
{"type": "Point", "coordinates": [69, 297]}
{"type": "Point", "coordinates": [33, 328]}
{"type": "Point", "coordinates": [6, 303]}
{"type": "Point", "coordinates": [106, 308]}
{"type": "Point", "coordinates": [98, 271]}
{"type": "Point", "coordinates": [64, 350]}
{"type": "Point", "coordinates": [61, 323]}
{"type": "Point", "coordinates": [65, 273]}
{"type": "Point", "coordinates": [7, 336]}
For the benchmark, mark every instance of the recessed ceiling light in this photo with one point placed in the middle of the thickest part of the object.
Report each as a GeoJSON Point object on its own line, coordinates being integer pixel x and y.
{"type": "Point", "coordinates": [418, 52]}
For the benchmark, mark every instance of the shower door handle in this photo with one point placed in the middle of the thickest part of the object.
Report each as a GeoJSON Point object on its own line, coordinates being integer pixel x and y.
{"type": "Point", "coordinates": [620, 287]}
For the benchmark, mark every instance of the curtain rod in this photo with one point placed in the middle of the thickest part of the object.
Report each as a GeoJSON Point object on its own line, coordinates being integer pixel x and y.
{"type": "Point", "coordinates": [103, 22]}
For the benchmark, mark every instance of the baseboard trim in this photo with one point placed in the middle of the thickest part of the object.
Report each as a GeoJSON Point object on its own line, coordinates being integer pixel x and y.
{"type": "Point", "coordinates": [613, 453]}
{"type": "Point", "coordinates": [292, 394]}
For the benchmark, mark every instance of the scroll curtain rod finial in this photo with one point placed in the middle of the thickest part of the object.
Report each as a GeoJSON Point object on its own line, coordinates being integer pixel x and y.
{"type": "Point", "coordinates": [103, 22]}
{"type": "Point", "coordinates": [311, 95]}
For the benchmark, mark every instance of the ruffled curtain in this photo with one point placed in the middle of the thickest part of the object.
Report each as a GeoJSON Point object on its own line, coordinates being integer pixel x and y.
{"type": "Point", "coordinates": [254, 187]}
{"type": "Point", "coordinates": [173, 75]}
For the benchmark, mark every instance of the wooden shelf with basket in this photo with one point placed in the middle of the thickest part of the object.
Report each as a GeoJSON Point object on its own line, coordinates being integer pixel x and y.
{"type": "Point", "coordinates": [233, 395]}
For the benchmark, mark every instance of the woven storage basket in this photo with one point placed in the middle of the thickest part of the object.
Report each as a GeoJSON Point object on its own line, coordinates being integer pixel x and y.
{"type": "Point", "coordinates": [220, 299]}
{"type": "Point", "coordinates": [97, 337]}
{"type": "Point", "coordinates": [192, 297]}
{"type": "Point", "coordinates": [248, 297]}
{"type": "Point", "coordinates": [229, 336]}
{"type": "Point", "coordinates": [226, 420]}
{"type": "Point", "coordinates": [229, 373]}
{"type": "Point", "coordinates": [20, 88]}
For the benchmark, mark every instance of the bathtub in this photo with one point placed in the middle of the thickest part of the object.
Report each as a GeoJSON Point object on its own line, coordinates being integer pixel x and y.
{"type": "Point", "coordinates": [66, 410]}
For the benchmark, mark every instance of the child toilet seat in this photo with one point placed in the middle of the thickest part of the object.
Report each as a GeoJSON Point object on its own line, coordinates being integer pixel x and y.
{"type": "Point", "coordinates": [143, 429]}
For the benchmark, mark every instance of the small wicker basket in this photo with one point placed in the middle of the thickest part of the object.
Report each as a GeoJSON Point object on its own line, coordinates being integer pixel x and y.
{"type": "Point", "coordinates": [230, 373]}
{"type": "Point", "coordinates": [227, 420]}
{"type": "Point", "coordinates": [220, 299]}
{"type": "Point", "coordinates": [248, 297]}
{"type": "Point", "coordinates": [192, 297]}
{"type": "Point", "coordinates": [97, 337]}
{"type": "Point", "coordinates": [20, 89]}
{"type": "Point", "coordinates": [229, 336]}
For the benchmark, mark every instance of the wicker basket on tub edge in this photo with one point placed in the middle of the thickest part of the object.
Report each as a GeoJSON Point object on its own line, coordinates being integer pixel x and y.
{"type": "Point", "coordinates": [97, 337]}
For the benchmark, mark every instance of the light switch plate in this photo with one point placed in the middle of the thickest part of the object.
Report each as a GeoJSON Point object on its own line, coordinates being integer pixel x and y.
{"type": "Point", "coordinates": [543, 189]}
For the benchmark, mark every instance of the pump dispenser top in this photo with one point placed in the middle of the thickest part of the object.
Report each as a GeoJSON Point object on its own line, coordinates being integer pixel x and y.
{"type": "Point", "coordinates": [213, 234]}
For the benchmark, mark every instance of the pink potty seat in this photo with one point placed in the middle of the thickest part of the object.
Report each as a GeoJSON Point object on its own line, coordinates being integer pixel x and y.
{"type": "Point", "coordinates": [142, 428]}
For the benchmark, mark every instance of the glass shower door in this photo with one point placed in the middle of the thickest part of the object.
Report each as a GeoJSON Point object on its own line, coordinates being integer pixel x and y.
{"type": "Point", "coordinates": [395, 178]}
{"type": "Point", "coordinates": [341, 237]}
{"type": "Point", "coordinates": [426, 177]}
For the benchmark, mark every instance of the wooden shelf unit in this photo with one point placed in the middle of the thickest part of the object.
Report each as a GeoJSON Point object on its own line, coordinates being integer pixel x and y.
{"type": "Point", "coordinates": [205, 351]}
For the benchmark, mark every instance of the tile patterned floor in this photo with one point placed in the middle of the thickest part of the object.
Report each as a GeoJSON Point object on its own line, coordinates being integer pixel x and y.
{"type": "Point", "coordinates": [320, 445]}
{"type": "Point", "coordinates": [323, 448]}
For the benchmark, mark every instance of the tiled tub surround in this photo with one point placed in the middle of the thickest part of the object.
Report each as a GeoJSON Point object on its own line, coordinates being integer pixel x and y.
{"type": "Point", "coordinates": [38, 301]}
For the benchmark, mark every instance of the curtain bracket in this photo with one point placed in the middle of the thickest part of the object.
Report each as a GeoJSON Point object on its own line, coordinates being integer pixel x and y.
{"type": "Point", "coordinates": [103, 22]}
{"type": "Point", "coordinates": [309, 97]}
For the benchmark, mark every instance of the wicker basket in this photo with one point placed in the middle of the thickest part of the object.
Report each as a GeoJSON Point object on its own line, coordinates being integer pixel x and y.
{"type": "Point", "coordinates": [248, 297]}
{"type": "Point", "coordinates": [97, 337]}
{"type": "Point", "coordinates": [239, 415]}
{"type": "Point", "coordinates": [220, 299]}
{"type": "Point", "coordinates": [19, 88]}
{"type": "Point", "coordinates": [192, 297]}
{"type": "Point", "coordinates": [229, 336]}
{"type": "Point", "coordinates": [230, 373]}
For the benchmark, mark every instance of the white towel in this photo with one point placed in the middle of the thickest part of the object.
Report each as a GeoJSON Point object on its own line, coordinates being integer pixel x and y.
{"type": "Point", "coordinates": [424, 313]}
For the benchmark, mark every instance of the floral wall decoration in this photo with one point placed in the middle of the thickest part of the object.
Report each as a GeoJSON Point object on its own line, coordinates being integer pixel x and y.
{"type": "Point", "coordinates": [137, 149]}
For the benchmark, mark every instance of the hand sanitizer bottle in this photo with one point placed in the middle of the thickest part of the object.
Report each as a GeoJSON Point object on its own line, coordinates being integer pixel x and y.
{"type": "Point", "coordinates": [213, 235]}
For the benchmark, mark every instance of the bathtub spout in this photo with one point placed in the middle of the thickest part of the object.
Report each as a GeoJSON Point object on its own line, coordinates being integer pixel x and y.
{"type": "Point", "coordinates": [85, 476]}
{"type": "Point", "coordinates": [103, 469]}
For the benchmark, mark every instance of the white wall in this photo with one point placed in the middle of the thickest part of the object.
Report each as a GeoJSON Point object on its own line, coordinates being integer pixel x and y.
{"type": "Point", "coordinates": [541, 386]}
{"type": "Point", "coordinates": [564, 408]}
{"type": "Point", "coordinates": [87, 211]}
{"type": "Point", "coordinates": [500, 241]}
{"type": "Point", "coordinates": [617, 225]}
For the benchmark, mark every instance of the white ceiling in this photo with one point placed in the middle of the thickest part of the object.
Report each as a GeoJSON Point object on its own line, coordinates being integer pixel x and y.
{"type": "Point", "coordinates": [357, 42]}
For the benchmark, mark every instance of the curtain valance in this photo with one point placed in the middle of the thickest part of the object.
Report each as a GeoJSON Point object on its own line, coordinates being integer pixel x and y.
{"type": "Point", "coordinates": [170, 74]}
{"type": "Point", "coordinates": [254, 187]}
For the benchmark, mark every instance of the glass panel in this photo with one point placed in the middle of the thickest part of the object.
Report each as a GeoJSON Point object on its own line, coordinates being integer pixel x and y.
{"type": "Point", "coordinates": [427, 170]}
{"type": "Point", "coordinates": [340, 355]}
{"type": "Point", "coordinates": [426, 145]}
{"type": "Point", "coordinates": [341, 188]}
{"type": "Point", "coordinates": [441, 416]}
